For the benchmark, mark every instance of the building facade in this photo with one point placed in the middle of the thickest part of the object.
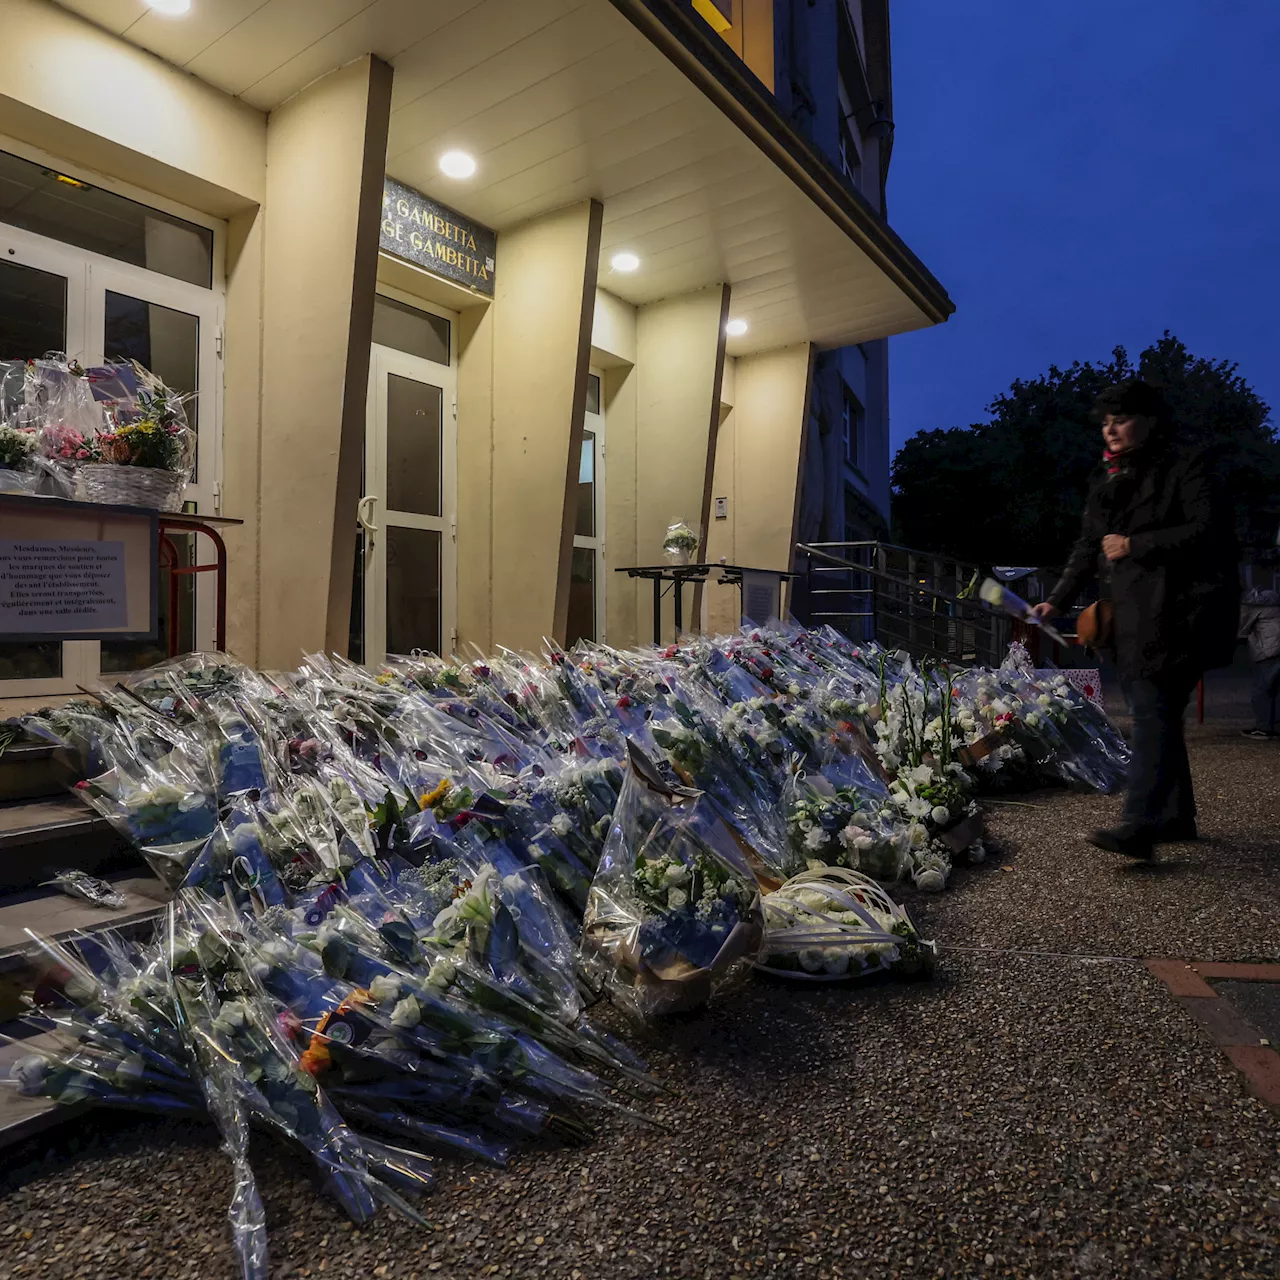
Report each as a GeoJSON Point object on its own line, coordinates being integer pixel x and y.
{"type": "Point", "coordinates": [838, 93]}
{"type": "Point", "coordinates": [476, 297]}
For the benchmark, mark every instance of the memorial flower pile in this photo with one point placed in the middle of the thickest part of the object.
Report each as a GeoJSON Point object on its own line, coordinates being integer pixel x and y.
{"type": "Point", "coordinates": [397, 891]}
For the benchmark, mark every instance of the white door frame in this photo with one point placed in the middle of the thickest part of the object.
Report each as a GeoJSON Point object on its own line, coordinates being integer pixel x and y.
{"type": "Point", "coordinates": [373, 512]}
{"type": "Point", "coordinates": [89, 276]}
{"type": "Point", "coordinates": [595, 423]}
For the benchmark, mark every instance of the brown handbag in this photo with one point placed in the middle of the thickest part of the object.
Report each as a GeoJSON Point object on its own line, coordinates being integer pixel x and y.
{"type": "Point", "coordinates": [1096, 626]}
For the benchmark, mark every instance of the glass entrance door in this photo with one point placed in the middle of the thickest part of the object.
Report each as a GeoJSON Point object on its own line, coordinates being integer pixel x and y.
{"type": "Point", "coordinates": [587, 574]}
{"type": "Point", "coordinates": [57, 297]}
{"type": "Point", "coordinates": [408, 513]}
{"type": "Point", "coordinates": [43, 295]}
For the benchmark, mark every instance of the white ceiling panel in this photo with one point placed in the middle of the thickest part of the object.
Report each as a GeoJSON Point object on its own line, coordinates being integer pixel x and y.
{"type": "Point", "coordinates": [562, 101]}
{"type": "Point", "coordinates": [180, 40]}
{"type": "Point", "coordinates": [269, 36]}
{"type": "Point", "coordinates": [387, 28]}
{"type": "Point", "coordinates": [114, 15]}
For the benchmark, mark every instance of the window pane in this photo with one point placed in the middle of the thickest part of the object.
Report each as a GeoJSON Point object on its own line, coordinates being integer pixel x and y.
{"type": "Point", "coordinates": [585, 527]}
{"type": "Point", "coordinates": [31, 661]}
{"type": "Point", "coordinates": [582, 596]}
{"type": "Point", "coordinates": [33, 312]}
{"type": "Point", "coordinates": [414, 412]}
{"type": "Point", "coordinates": [593, 393]}
{"type": "Point", "coordinates": [160, 339]}
{"type": "Point", "coordinates": [62, 208]}
{"type": "Point", "coordinates": [404, 328]}
{"type": "Point", "coordinates": [413, 590]}
{"type": "Point", "coordinates": [33, 321]}
{"type": "Point", "coordinates": [355, 637]}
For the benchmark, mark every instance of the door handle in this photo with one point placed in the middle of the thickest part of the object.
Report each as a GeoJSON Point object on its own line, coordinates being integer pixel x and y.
{"type": "Point", "coordinates": [364, 513]}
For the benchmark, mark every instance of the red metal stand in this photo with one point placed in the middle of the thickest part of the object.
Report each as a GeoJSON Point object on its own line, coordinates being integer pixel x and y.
{"type": "Point", "coordinates": [169, 559]}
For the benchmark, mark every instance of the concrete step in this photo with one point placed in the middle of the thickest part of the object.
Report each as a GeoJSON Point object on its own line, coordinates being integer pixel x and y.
{"type": "Point", "coordinates": [22, 1117]}
{"type": "Point", "coordinates": [39, 838]}
{"type": "Point", "coordinates": [54, 915]}
{"type": "Point", "coordinates": [33, 770]}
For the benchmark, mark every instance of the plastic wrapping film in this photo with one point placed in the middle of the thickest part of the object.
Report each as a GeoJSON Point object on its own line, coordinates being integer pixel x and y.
{"type": "Point", "coordinates": [833, 923]}
{"type": "Point", "coordinates": [674, 911]}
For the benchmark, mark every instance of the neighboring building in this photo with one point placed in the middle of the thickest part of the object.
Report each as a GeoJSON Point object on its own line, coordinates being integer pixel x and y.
{"type": "Point", "coordinates": [838, 93]}
{"type": "Point", "coordinates": [458, 285]}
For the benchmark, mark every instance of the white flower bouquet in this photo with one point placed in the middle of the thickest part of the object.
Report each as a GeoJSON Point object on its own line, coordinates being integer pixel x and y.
{"type": "Point", "coordinates": [674, 910]}
{"type": "Point", "coordinates": [834, 923]}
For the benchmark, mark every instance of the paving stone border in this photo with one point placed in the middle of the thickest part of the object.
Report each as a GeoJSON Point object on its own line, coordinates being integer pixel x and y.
{"type": "Point", "coordinates": [1248, 1050]}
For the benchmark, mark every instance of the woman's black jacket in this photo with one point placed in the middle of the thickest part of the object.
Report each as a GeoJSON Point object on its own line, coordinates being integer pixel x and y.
{"type": "Point", "coordinates": [1176, 595]}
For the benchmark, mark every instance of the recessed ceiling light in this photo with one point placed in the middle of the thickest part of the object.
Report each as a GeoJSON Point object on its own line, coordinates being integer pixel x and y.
{"type": "Point", "coordinates": [457, 164]}
{"type": "Point", "coordinates": [736, 328]}
{"type": "Point", "coordinates": [171, 7]}
{"type": "Point", "coordinates": [624, 262]}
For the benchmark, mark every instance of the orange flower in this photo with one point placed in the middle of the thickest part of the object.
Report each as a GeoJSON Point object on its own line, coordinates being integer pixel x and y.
{"type": "Point", "coordinates": [316, 1059]}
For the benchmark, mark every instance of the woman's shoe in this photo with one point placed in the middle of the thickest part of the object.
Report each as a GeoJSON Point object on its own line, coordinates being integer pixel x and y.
{"type": "Point", "coordinates": [1133, 842]}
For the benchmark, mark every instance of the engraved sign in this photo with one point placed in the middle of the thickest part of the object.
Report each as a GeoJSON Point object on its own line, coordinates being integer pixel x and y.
{"type": "Point", "coordinates": [436, 238]}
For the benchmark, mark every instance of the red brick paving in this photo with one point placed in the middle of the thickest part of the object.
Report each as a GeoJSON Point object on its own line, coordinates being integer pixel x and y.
{"type": "Point", "coordinates": [1238, 1038]}
{"type": "Point", "coordinates": [1239, 972]}
{"type": "Point", "coordinates": [1180, 978]}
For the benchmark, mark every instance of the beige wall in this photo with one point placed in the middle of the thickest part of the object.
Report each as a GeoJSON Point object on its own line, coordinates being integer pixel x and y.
{"type": "Point", "coordinates": [81, 93]}
{"type": "Point", "coordinates": [757, 467]}
{"type": "Point", "coordinates": [613, 330]}
{"type": "Point", "coordinates": [679, 363]}
{"type": "Point", "coordinates": [475, 478]}
{"type": "Point", "coordinates": [326, 151]}
{"type": "Point", "coordinates": [242, 429]}
{"type": "Point", "coordinates": [520, 431]}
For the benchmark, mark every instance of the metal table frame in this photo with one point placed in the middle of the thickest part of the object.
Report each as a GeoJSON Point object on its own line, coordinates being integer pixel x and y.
{"type": "Point", "coordinates": [678, 574]}
{"type": "Point", "coordinates": [185, 522]}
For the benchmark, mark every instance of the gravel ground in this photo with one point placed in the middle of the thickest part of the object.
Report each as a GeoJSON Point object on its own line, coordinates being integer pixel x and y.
{"type": "Point", "coordinates": [1021, 1115]}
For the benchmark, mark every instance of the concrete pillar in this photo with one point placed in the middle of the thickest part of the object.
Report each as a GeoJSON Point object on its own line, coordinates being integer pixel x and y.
{"type": "Point", "coordinates": [241, 430]}
{"type": "Point", "coordinates": [326, 154]}
{"type": "Point", "coordinates": [540, 333]}
{"type": "Point", "coordinates": [475, 478]}
{"type": "Point", "coordinates": [679, 366]}
{"type": "Point", "coordinates": [757, 467]}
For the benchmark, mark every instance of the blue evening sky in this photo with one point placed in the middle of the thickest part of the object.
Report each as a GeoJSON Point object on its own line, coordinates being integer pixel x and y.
{"type": "Point", "coordinates": [1083, 173]}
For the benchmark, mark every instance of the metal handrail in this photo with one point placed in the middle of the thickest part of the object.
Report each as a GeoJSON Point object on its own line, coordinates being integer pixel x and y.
{"type": "Point", "coordinates": [904, 607]}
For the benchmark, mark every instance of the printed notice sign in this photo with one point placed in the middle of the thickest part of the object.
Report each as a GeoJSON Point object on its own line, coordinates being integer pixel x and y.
{"type": "Point", "coordinates": [47, 587]}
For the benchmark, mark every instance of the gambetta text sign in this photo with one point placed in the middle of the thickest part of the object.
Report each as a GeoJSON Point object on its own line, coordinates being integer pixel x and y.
{"type": "Point", "coordinates": [432, 236]}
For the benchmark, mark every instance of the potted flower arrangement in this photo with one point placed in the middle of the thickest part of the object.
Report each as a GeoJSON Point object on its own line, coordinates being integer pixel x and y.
{"type": "Point", "coordinates": [680, 544]}
{"type": "Point", "coordinates": [143, 457]}
{"type": "Point", "coordinates": [17, 470]}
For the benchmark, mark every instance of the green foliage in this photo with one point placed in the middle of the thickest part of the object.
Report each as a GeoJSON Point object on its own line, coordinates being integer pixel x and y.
{"type": "Point", "coordinates": [1011, 490]}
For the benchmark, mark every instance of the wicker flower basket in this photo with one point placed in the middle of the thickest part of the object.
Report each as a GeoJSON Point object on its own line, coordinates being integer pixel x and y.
{"type": "Point", "coordinates": [130, 486]}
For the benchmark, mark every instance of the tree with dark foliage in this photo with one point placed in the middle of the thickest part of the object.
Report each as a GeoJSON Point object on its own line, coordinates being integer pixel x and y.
{"type": "Point", "coordinates": [1010, 491]}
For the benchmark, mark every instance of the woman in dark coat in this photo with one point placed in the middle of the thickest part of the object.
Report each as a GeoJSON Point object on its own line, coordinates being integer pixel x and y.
{"type": "Point", "coordinates": [1158, 535]}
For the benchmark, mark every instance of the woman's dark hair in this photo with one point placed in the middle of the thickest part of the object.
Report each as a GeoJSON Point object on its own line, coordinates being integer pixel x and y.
{"type": "Point", "coordinates": [1131, 398]}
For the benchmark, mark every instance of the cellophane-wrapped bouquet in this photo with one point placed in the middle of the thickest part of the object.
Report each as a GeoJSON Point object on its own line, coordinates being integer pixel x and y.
{"type": "Point", "coordinates": [398, 890]}
{"type": "Point", "coordinates": [674, 911]}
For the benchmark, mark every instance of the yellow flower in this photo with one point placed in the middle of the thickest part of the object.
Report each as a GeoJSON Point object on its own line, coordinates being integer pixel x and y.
{"type": "Point", "coordinates": [436, 796]}
{"type": "Point", "coordinates": [386, 678]}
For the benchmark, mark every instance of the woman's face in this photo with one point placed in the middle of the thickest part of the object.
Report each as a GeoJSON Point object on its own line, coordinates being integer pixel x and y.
{"type": "Point", "coordinates": [1123, 434]}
